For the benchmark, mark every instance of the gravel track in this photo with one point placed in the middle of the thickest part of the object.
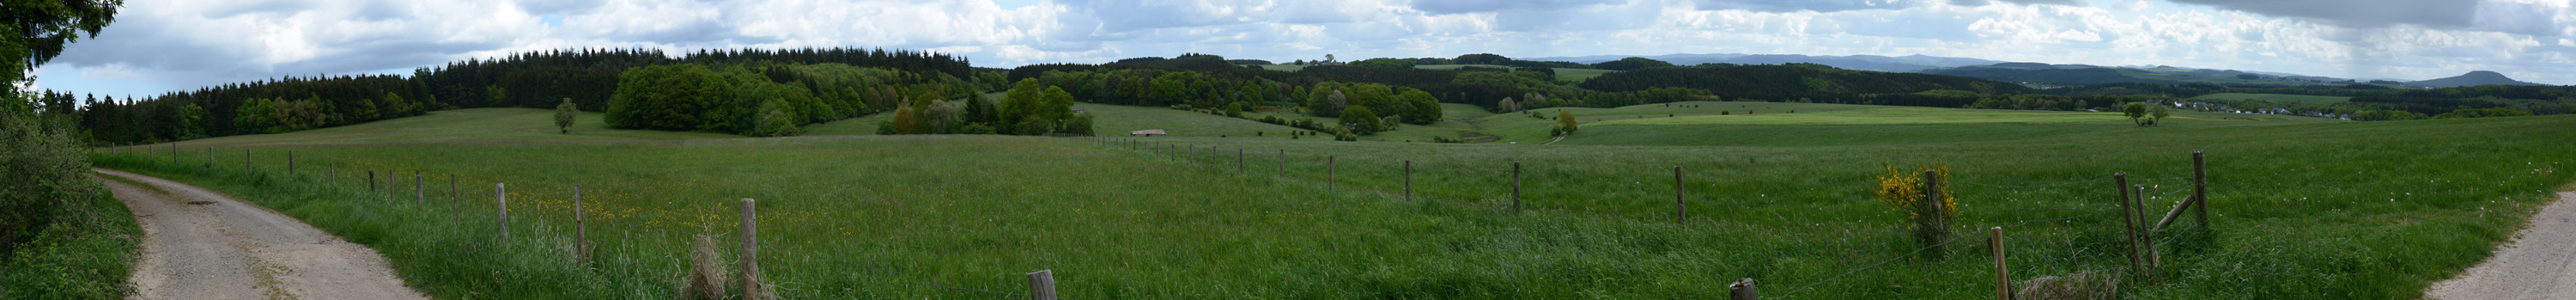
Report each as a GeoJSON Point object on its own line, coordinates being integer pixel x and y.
{"type": "Point", "coordinates": [198, 244]}
{"type": "Point", "coordinates": [2539, 264]}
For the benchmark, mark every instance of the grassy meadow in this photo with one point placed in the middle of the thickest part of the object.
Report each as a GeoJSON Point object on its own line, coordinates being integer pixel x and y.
{"type": "Point", "coordinates": [2276, 98]}
{"type": "Point", "coordinates": [2303, 208]}
{"type": "Point", "coordinates": [1562, 74]}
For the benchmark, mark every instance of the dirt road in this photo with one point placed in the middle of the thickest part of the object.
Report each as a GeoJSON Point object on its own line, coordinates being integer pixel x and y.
{"type": "Point", "coordinates": [2539, 264]}
{"type": "Point", "coordinates": [201, 245]}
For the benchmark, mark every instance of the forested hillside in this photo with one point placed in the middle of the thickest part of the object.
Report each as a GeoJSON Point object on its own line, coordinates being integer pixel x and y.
{"type": "Point", "coordinates": [588, 78]}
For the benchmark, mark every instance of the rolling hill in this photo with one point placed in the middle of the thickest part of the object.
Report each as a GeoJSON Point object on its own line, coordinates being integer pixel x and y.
{"type": "Point", "coordinates": [2078, 74]}
{"type": "Point", "coordinates": [1855, 62]}
{"type": "Point", "coordinates": [2473, 78]}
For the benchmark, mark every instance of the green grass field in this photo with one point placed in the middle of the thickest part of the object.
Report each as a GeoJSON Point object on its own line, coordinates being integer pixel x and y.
{"type": "Point", "coordinates": [1562, 74]}
{"type": "Point", "coordinates": [2276, 98]}
{"type": "Point", "coordinates": [1108, 120]}
{"type": "Point", "coordinates": [480, 125]}
{"type": "Point", "coordinates": [2304, 208]}
{"type": "Point", "coordinates": [1455, 119]}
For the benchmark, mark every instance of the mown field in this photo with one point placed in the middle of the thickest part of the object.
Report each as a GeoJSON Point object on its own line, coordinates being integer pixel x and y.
{"type": "Point", "coordinates": [2276, 98]}
{"type": "Point", "coordinates": [2302, 208]}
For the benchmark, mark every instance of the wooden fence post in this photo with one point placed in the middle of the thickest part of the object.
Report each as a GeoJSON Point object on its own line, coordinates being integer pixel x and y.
{"type": "Point", "coordinates": [1681, 210]}
{"type": "Point", "coordinates": [290, 162]}
{"type": "Point", "coordinates": [1937, 226]}
{"type": "Point", "coordinates": [245, 159]}
{"type": "Point", "coordinates": [419, 195]}
{"type": "Point", "coordinates": [580, 227]}
{"type": "Point", "coordinates": [750, 252]}
{"type": "Point", "coordinates": [501, 194]}
{"type": "Point", "coordinates": [1042, 285]}
{"type": "Point", "coordinates": [2129, 219]}
{"type": "Point", "coordinates": [1328, 173]}
{"type": "Point", "coordinates": [2200, 188]}
{"type": "Point", "coordinates": [1408, 180]}
{"type": "Point", "coordinates": [2003, 276]}
{"type": "Point", "coordinates": [455, 209]}
{"type": "Point", "coordinates": [1516, 186]}
{"type": "Point", "coordinates": [2146, 235]}
{"type": "Point", "coordinates": [371, 180]}
{"type": "Point", "coordinates": [1743, 289]}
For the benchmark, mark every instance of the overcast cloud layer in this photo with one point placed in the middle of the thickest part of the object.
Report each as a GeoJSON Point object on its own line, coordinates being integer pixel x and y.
{"type": "Point", "coordinates": [167, 45]}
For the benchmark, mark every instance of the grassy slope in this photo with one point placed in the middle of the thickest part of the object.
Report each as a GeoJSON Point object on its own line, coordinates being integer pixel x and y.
{"type": "Point", "coordinates": [2307, 210]}
{"type": "Point", "coordinates": [1109, 120]}
{"type": "Point", "coordinates": [2275, 97]}
{"type": "Point", "coordinates": [1454, 120]}
{"type": "Point", "coordinates": [455, 126]}
{"type": "Point", "coordinates": [1562, 74]}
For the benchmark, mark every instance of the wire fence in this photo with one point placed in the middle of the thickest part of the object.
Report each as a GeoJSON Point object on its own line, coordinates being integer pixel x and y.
{"type": "Point", "coordinates": [1510, 180]}
{"type": "Point", "coordinates": [1515, 180]}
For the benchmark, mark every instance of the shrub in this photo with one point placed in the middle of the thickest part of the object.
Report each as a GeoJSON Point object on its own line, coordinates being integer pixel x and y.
{"type": "Point", "coordinates": [1902, 190]}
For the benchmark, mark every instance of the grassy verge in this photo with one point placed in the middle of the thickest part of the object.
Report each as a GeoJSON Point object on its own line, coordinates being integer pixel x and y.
{"type": "Point", "coordinates": [443, 252]}
{"type": "Point", "coordinates": [85, 254]}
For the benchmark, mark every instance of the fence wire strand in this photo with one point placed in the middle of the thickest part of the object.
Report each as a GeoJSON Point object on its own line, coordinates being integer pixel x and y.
{"type": "Point", "coordinates": [1872, 266]}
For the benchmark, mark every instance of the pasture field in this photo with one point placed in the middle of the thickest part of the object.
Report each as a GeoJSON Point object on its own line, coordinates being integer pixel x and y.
{"type": "Point", "coordinates": [1108, 120]}
{"type": "Point", "coordinates": [1562, 74]}
{"type": "Point", "coordinates": [1818, 124]}
{"type": "Point", "coordinates": [1454, 119]}
{"type": "Point", "coordinates": [456, 126]}
{"type": "Point", "coordinates": [2301, 209]}
{"type": "Point", "coordinates": [1579, 75]}
{"type": "Point", "coordinates": [2276, 98]}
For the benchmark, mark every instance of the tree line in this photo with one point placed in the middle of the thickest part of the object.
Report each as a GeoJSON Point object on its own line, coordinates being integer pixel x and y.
{"type": "Point", "coordinates": [540, 79]}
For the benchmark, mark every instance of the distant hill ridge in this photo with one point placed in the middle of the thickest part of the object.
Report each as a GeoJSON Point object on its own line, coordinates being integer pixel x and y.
{"type": "Point", "coordinates": [1907, 63]}
{"type": "Point", "coordinates": [2473, 78]}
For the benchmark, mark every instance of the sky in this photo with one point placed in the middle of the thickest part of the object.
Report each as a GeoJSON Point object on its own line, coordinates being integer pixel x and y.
{"type": "Point", "coordinates": [159, 46]}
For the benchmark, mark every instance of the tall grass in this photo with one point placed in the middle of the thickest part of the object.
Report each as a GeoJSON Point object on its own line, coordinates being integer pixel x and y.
{"type": "Point", "coordinates": [2333, 210]}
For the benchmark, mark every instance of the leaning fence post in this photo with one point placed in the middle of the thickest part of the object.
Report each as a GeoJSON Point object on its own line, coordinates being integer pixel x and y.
{"type": "Point", "coordinates": [2200, 188]}
{"type": "Point", "coordinates": [501, 196]}
{"type": "Point", "coordinates": [750, 252]}
{"type": "Point", "coordinates": [371, 180]}
{"type": "Point", "coordinates": [1516, 186]}
{"type": "Point", "coordinates": [1743, 289]}
{"type": "Point", "coordinates": [2003, 276]}
{"type": "Point", "coordinates": [1042, 285]}
{"type": "Point", "coordinates": [2129, 218]}
{"type": "Point", "coordinates": [1681, 210]}
{"type": "Point", "coordinates": [1408, 180]}
{"type": "Point", "coordinates": [2146, 235]}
